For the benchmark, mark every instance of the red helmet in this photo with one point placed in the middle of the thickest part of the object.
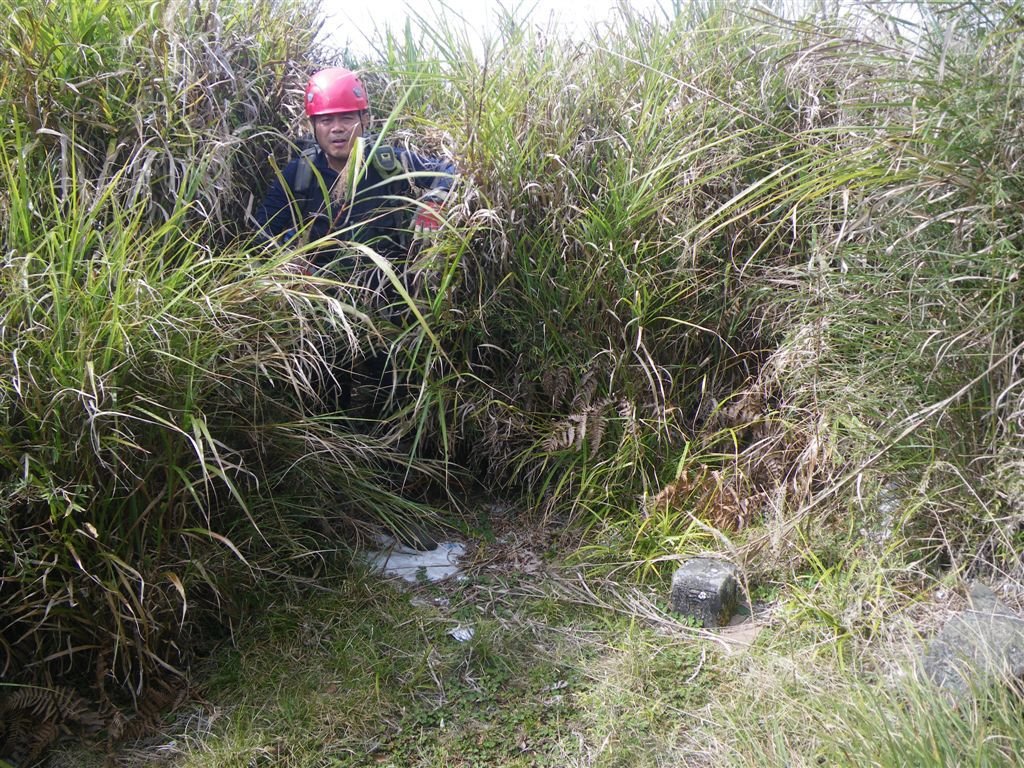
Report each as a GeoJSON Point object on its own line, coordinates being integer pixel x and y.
{"type": "Point", "coordinates": [335, 90]}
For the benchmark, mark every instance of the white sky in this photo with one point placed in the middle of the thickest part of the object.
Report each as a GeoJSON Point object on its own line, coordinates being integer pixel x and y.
{"type": "Point", "coordinates": [347, 19]}
{"type": "Point", "coordinates": [352, 22]}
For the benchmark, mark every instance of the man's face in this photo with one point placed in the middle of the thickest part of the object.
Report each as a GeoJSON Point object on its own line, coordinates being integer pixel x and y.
{"type": "Point", "coordinates": [336, 134]}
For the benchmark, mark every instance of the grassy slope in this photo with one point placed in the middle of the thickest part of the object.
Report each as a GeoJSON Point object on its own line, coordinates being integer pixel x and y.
{"type": "Point", "coordinates": [561, 672]}
{"type": "Point", "coordinates": [759, 276]}
{"type": "Point", "coordinates": [808, 203]}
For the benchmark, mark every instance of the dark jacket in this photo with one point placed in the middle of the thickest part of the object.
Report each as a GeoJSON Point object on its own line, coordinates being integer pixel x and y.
{"type": "Point", "coordinates": [378, 215]}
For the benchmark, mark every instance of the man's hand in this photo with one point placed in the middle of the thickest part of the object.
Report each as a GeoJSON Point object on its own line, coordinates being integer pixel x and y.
{"type": "Point", "coordinates": [427, 221]}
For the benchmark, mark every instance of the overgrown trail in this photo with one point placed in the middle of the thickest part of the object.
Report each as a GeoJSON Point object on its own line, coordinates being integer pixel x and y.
{"type": "Point", "coordinates": [523, 659]}
{"type": "Point", "coordinates": [714, 278]}
{"type": "Point", "coordinates": [518, 661]}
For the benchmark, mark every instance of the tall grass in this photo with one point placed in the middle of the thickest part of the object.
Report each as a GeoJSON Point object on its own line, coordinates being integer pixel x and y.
{"type": "Point", "coordinates": [920, 330]}
{"type": "Point", "coordinates": [712, 278]}
{"type": "Point", "coordinates": [165, 444]}
{"type": "Point", "coordinates": [636, 201]}
{"type": "Point", "coordinates": [730, 263]}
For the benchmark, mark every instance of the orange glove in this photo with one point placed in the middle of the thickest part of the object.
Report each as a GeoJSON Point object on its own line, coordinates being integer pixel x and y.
{"type": "Point", "coordinates": [427, 221]}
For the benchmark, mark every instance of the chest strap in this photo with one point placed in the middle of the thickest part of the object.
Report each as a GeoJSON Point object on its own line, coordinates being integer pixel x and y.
{"type": "Point", "coordinates": [304, 173]}
{"type": "Point", "coordinates": [385, 161]}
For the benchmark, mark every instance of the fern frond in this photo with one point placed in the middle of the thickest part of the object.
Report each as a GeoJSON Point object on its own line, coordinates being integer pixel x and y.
{"type": "Point", "coordinates": [34, 701]}
{"type": "Point", "coordinates": [566, 434]}
{"type": "Point", "coordinates": [626, 409]}
{"type": "Point", "coordinates": [584, 396]}
{"type": "Point", "coordinates": [555, 383]}
{"type": "Point", "coordinates": [35, 716]}
{"type": "Point", "coordinates": [44, 734]}
{"type": "Point", "coordinates": [596, 424]}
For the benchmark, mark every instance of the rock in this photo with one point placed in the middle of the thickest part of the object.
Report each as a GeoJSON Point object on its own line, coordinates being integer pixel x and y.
{"type": "Point", "coordinates": [706, 589]}
{"type": "Point", "coordinates": [982, 643]}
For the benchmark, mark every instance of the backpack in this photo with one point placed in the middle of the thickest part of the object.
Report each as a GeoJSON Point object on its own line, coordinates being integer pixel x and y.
{"type": "Point", "coordinates": [387, 164]}
{"type": "Point", "coordinates": [384, 159]}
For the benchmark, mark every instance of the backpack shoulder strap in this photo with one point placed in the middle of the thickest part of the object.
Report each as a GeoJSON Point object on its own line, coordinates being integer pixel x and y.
{"type": "Point", "coordinates": [385, 160]}
{"type": "Point", "coordinates": [304, 172]}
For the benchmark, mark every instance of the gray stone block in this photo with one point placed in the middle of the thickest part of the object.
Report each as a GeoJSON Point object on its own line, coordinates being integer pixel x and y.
{"type": "Point", "coordinates": [977, 645]}
{"type": "Point", "coordinates": [706, 589]}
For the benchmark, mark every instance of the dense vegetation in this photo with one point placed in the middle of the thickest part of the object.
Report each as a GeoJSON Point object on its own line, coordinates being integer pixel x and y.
{"type": "Point", "coordinates": [162, 445]}
{"type": "Point", "coordinates": [712, 279]}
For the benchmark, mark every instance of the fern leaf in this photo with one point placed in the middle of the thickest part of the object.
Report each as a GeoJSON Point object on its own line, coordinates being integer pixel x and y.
{"type": "Point", "coordinates": [45, 734]}
{"type": "Point", "coordinates": [586, 390]}
{"type": "Point", "coordinates": [568, 433]}
{"type": "Point", "coordinates": [555, 383]}
{"type": "Point", "coordinates": [596, 423]}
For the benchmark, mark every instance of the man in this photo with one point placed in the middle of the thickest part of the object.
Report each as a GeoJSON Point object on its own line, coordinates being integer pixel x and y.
{"type": "Point", "coordinates": [349, 186]}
